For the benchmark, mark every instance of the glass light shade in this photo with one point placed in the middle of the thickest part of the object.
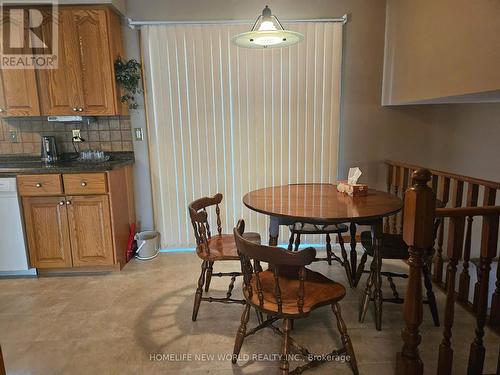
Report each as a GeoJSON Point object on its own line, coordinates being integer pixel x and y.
{"type": "Point", "coordinates": [267, 32]}
{"type": "Point", "coordinates": [267, 26]}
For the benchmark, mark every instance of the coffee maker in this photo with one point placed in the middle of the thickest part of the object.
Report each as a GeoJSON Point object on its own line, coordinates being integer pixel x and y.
{"type": "Point", "coordinates": [49, 149]}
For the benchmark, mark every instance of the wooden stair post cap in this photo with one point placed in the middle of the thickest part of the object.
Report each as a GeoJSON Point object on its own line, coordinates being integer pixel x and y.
{"type": "Point", "coordinates": [421, 177]}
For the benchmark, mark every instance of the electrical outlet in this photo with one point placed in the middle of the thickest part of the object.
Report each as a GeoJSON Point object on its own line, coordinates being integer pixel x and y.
{"type": "Point", "coordinates": [13, 136]}
{"type": "Point", "coordinates": [76, 135]}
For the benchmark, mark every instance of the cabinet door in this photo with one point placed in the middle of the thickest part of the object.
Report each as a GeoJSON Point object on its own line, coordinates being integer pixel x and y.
{"type": "Point", "coordinates": [47, 232]}
{"type": "Point", "coordinates": [90, 230]}
{"type": "Point", "coordinates": [19, 95]}
{"type": "Point", "coordinates": [3, 110]}
{"type": "Point", "coordinates": [60, 89]}
{"type": "Point", "coordinates": [91, 49]}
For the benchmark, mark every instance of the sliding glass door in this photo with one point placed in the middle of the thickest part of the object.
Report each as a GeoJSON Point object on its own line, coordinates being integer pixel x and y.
{"type": "Point", "coordinates": [231, 120]}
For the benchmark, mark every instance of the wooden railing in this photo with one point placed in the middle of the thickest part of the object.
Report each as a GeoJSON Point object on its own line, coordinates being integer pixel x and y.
{"type": "Point", "coordinates": [418, 219]}
{"type": "Point", "coordinates": [454, 191]}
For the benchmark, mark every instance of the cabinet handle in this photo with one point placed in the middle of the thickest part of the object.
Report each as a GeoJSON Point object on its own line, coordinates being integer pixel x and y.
{"type": "Point", "coordinates": [75, 109]}
{"type": "Point", "coordinates": [61, 203]}
{"type": "Point", "coordinates": [68, 202]}
{"type": "Point", "coordinates": [80, 109]}
{"type": "Point", "coordinates": [38, 185]}
{"type": "Point", "coordinates": [2, 110]}
{"type": "Point", "coordinates": [84, 183]}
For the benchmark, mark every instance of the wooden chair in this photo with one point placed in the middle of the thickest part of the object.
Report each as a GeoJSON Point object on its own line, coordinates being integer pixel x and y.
{"type": "Point", "coordinates": [287, 291]}
{"type": "Point", "coordinates": [211, 249]}
{"type": "Point", "coordinates": [298, 229]}
{"type": "Point", "coordinates": [393, 247]}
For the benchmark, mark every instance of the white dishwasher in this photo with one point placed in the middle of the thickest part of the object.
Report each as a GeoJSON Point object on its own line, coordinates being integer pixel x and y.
{"type": "Point", "coordinates": [13, 255]}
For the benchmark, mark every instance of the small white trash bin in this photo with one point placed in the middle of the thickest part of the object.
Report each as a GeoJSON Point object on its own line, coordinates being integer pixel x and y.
{"type": "Point", "coordinates": [148, 244]}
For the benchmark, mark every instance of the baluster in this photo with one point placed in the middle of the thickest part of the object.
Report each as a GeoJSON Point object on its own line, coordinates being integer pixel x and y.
{"type": "Point", "coordinates": [397, 179]}
{"type": "Point", "coordinates": [498, 364]}
{"type": "Point", "coordinates": [404, 187]}
{"type": "Point", "coordinates": [488, 200]}
{"type": "Point", "coordinates": [495, 301]}
{"type": "Point", "coordinates": [456, 201]}
{"type": "Point", "coordinates": [219, 223]}
{"type": "Point", "coordinates": [434, 183]}
{"type": "Point", "coordinates": [277, 289]}
{"type": "Point", "coordinates": [455, 243]}
{"type": "Point", "coordinates": [489, 239]}
{"type": "Point", "coordinates": [418, 229]}
{"type": "Point", "coordinates": [443, 195]}
{"type": "Point", "coordinates": [464, 283]}
{"type": "Point", "coordinates": [390, 169]}
{"type": "Point", "coordinates": [457, 193]}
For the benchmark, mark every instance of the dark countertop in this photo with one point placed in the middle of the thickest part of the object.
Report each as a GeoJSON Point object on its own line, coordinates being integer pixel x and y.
{"type": "Point", "coordinates": [12, 165]}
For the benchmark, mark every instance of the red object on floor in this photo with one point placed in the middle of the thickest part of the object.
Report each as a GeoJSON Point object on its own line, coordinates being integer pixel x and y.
{"type": "Point", "coordinates": [130, 243]}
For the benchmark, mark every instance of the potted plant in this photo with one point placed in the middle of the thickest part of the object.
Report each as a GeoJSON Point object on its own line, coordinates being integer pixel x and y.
{"type": "Point", "coordinates": [128, 76]}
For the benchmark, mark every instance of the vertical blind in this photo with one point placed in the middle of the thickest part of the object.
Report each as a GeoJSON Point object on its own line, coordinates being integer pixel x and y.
{"type": "Point", "coordinates": [231, 120]}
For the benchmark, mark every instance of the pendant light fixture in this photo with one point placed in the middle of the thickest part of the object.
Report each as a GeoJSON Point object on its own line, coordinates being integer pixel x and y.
{"type": "Point", "coordinates": [267, 32]}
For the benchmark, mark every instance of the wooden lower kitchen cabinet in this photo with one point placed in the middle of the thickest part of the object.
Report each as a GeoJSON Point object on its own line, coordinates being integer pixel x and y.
{"type": "Point", "coordinates": [47, 232]}
{"type": "Point", "coordinates": [74, 232]}
{"type": "Point", "coordinates": [90, 230]}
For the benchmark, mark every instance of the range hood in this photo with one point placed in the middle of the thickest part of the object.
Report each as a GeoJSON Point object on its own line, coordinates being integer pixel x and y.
{"type": "Point", "coordinates": [64, 118]}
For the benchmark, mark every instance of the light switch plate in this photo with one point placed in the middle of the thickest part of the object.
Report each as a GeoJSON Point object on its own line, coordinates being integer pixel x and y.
{"type": "Point", "coordinates": [139, 134]}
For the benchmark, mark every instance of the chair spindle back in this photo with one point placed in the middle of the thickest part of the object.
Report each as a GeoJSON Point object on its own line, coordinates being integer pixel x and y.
{"type": "Point", "coordinates": [280, 261]}
{"type": "Point", "coordinates": [199, 218]}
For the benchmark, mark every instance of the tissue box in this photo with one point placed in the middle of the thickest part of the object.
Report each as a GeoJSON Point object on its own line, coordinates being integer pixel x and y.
{"type": "Point", "coordinates": [355, 190]}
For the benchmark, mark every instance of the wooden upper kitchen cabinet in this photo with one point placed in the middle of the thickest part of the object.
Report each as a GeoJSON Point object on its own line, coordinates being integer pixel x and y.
{"type": "Point", "coordinates": [18, 88]}
{"type": "Point", "coordinates": [47, 232]}
{"type": "Point", "coordinates": [90, 230]}
{"type": "Point", "coordinates": [90, 40]}
{"type": "Point", "coordinates": [21, 99]}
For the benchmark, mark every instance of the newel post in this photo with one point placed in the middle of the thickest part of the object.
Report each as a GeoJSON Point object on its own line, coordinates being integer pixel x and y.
{"type": "Point", "coordinates": [2, 366]}
{"type": "Point", "coordinates": [418, 226]}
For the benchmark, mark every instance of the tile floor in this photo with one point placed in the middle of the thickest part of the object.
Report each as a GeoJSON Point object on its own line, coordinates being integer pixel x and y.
{"type": "Point", "coordinates": [138, 321]}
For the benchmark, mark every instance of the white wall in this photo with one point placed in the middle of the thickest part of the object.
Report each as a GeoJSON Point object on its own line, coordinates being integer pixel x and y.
{"type": "Point", "coordinates": [441, 50]}
{"type": "Point", "coordinates": [460, 138]}
{"type": "Point", "coordinates": [143, 198]}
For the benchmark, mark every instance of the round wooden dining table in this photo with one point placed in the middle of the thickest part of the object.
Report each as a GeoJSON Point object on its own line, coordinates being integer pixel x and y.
{"type": "Point", "coordinates": [323, 204]}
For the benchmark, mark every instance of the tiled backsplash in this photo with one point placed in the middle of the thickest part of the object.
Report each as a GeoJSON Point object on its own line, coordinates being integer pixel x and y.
{"type": "Point", "coordinates": [105, 133]}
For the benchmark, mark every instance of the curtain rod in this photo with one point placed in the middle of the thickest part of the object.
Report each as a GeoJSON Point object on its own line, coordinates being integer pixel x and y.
{"type": "Point", "coordinates": [131, 23]}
